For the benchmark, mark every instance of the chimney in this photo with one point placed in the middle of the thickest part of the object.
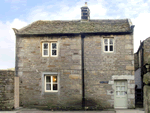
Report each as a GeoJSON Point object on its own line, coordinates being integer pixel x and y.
{"type": "Point", "coordinates": [85, 13]}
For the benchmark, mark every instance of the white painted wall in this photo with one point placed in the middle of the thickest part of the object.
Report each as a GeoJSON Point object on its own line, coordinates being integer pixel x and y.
{"type": "Point", "coordinates": [138, 78]}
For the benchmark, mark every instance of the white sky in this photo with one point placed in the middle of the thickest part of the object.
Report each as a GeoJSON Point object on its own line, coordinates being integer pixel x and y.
{"type": "Point", "coordinates": [136, 10]}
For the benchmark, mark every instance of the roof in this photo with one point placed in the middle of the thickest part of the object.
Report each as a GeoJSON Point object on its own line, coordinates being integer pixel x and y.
{"type": "Point", "coordinates": [75, 26]}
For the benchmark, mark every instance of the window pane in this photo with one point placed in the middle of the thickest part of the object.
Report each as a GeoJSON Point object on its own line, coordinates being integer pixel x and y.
{"type": "Point", "coordinates": [45, 52]}
{"type": "Point", "coordinates": [53, 45]}
{"type": "Point", "coordinates": [118, 87]}
{"type": "Point", "coordinates": [48, 78]}
{"type": "Point", "coordinates": [123, 88]}
{"type": "Point", "coordinates": [106, 41]}
{"type": "Point", "coordinates": [117, 93]}
{"type": "Point", "coordinates": [45, 46]}
{"type": "Point", "coordinates": [118, 83]}
{"type": "Point", "coordinates": [53, 52]}
{"type": "Point", "coordinates": [54, 86]}
{"type": "Point", "coordinates": [121, 93]}
{"type": "Point", "coordinates": [111, 48]}
{"type": "Point", "coordinates": [123, 83]}
{"type": "Point", "coordinates": [48, 86]}
{"type": "Point", "coordinates": [106, 48]}
{"type": "Point", "coordinates": [54, 78]}
{"type": "Point", "coordinates": [111, 41]}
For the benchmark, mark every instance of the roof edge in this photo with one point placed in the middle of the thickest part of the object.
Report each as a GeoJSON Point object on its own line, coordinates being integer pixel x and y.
{"type": "Point", "coordinates": [15, 30]}
{"type": "Point", "coordinates": [95, 33]}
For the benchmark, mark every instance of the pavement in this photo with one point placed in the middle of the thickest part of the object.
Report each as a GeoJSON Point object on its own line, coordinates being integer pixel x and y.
{"type": "Point", "coordinates": [26, 110]}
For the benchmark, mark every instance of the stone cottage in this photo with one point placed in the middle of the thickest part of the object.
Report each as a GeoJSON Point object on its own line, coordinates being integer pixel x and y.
{"type": "Point", "coordinates": [76, 63]}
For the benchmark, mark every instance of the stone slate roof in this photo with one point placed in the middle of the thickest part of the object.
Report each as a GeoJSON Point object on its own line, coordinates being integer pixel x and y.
{"type": "Point", "coordinates": [75, 26]}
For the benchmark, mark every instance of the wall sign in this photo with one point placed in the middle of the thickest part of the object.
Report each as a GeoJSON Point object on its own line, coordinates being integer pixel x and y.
{"type": "Point", "coordinates": [104, 82]}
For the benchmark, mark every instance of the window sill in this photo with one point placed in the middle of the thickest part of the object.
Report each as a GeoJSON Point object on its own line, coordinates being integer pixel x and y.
{"type": "Point", "coordinates": [45, 56]}
{"type": "Point", "coordinates": [53, 56]}
{"type": "Point", "coordinates": [50, 93]}
{"type": "Point", "coordinates": [108, 52]}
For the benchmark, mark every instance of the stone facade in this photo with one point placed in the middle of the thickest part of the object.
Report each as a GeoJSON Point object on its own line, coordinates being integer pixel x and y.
{"type": "Point", "coordinates": [81, 65]}
{"type": "Point", "coordinates": [31, 65]}
{"type": "Point", "coordinates": [6, 89]}
{"type": "Point", "coordinates": [99, 66]}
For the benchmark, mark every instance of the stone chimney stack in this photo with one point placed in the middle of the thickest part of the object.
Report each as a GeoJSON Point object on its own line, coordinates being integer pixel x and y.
{"type": "Point", "coordinates": [85, 13]}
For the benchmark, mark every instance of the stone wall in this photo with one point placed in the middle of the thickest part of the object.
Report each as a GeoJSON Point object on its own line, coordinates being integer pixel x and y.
{"type": "Point", "coordinates": [6, 90]}
{"type": "Point", "coordinates": [146, 99]}
{"type": "Point", "coordinates": [31, 65]}
{"type": "Point", "coordinates": [146, 103]}
{"type": "Point", "coordinates": [101, 66]}
{"type": "Point", "coordinates": [146, 50]}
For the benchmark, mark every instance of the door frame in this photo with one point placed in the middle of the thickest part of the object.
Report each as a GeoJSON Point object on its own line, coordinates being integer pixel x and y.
{"type": "Point", "coordinates": [126, 94]}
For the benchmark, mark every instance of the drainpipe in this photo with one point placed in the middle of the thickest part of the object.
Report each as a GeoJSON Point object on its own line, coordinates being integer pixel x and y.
{"type": "Point", "coordinates": [82, 57]}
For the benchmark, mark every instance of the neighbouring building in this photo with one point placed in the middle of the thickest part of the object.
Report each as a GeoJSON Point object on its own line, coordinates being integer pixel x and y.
{"type": "Point", "coordinates": [76, 63]}
{"type": "Point", "coordinates": [141, 59]}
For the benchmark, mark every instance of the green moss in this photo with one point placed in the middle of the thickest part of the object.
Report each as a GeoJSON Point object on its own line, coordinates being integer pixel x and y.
{"type": "Point", "coordinates": [148, 59]}
{"type": "Point", "coordinates": [146, 78]}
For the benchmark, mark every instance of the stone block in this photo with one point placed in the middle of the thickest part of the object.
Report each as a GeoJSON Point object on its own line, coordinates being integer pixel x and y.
{"type": "Point", "coordinates": [111, 82]}
{"type": "Point", "coordinates": [75, 46]}
{"type": "Point", "coordinates": [131, 86]}
{"type": "Point", "coordinates": [76, 57]}
{"type": "Point", "coordinates": [129, 57]}
{"type": "Point", "coordinates": [128, 46]}
{"type": "Point", "coordinates": [131, 96]}
{"type": "Point", "coordinates": [51, 66]}
{"type": "Point", "coordinates": [75, 76]}
{"type": "Point", "coordinates": [129, 67]}
{"type": "Point", "coordinates": [128, 77]}
{"type": "Point", "coordinates": [132, 72]}
{"type": "Point", "coordinates": [76, 67]}
{"type": "Point", "coordinates": [112, 97]}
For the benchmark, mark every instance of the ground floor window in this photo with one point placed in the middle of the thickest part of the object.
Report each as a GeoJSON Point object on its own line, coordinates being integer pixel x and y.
{"type": "Point", "coordinates": [51, 83]}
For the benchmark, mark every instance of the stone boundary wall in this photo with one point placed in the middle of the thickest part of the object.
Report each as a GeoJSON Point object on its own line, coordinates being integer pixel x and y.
{"type": "Point", "coordinates": [6, 89]}
{"type": "Point", "coordinates": [147, 99]}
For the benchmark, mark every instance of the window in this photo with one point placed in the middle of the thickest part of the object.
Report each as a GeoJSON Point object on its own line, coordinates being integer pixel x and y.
{"type": "Point", "coordinates": [108, 45]}
{"type": "Point", "coordinates": [54, 49]}
{"type": "Point", "coordinates": [45, 49]}
{"type": "Point", "coordinates": [51, 83]}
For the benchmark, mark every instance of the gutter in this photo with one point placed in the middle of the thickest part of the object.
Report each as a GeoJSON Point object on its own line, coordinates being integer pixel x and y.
{"type": "Point", "coordinates": [82, 58]}
{"type": "Point", "coordinates": [73, 34]}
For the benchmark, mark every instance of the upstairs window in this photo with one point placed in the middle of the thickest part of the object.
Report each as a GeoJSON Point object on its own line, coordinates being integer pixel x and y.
{"type": "Point", "coordinates": [54, 49]}
{"type": "Point", "coordinates": [108, 44]}
{"type": "Point", "coordinates": [49, 49]}
{"type": "Point", "coordinates": [45, 49]}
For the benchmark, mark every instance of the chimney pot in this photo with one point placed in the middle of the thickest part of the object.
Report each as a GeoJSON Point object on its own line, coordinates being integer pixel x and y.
{"type": "Point", "coordinates": [85, 13]}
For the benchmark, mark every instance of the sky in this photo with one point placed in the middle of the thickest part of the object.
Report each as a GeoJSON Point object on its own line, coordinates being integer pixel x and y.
{"type": "Point", "coordinates": [19, 13]}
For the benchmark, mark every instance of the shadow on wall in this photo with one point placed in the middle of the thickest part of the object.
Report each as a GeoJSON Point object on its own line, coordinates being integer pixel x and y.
{"type": "Point", "coordinates": [92, 104]}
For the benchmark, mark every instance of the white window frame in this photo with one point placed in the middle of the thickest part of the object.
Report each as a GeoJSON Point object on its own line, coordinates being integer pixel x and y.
{"type": "Point", "coordinates": [108, 45]}
{"type": "Point", "coordinates": [54, 49]}
{"type": "Point", "coordinates": [45, 49]}
{"type": "Point", "coordinates": [51, 83]}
